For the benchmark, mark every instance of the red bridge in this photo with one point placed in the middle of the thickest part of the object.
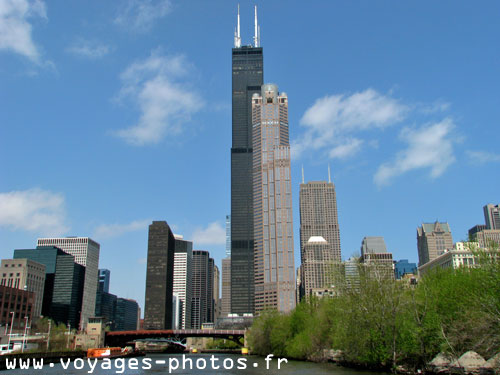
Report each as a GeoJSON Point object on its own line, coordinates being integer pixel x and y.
{"type": "Point", "coordinates": [121, 338]}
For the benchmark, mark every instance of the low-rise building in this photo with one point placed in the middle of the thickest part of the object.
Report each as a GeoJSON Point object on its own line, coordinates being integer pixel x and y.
{"type": "Point", "coordinates": [488, 238]}
{"type": "Point", "coordinates": [93, 337]}
{"type": "Point", "coordinates": [15, 306]}
{"type": "Point", "coordinates": [404, 267]}
{"type": "Point", "coordinates": [126, 314]}
{"type": "Point", "coordinates": [462, 255]}
{"type": "Point", "coordinates": [375, 259]}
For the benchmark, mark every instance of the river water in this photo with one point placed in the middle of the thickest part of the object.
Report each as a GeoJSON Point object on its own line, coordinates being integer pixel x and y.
{"type": "Point", "coordinates": [192, 364]}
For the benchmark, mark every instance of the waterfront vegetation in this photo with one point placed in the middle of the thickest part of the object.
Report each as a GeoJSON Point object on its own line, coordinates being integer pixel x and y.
{"type": "Point", "coordinates": [382, 324]}
{"type": "Point", "coordinates": [58, 335]}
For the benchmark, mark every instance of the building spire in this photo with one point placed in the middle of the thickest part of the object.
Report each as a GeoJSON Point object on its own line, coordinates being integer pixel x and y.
{"type": "Point", "coordinates": [237, 36]}
{"type": "Point", "coordinates": [329, 174]}
{"type": "Point", "coordinates": [303, 174]}
{"type": "Point", "coordinates": [256, 37]}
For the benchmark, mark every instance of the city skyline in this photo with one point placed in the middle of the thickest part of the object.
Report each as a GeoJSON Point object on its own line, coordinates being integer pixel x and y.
{"type": "Point", "coordinates": [85, 169]}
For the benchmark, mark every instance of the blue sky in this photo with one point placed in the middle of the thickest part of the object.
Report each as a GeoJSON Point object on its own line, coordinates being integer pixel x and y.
{"type": "Point", "coordinates": [113, 114]}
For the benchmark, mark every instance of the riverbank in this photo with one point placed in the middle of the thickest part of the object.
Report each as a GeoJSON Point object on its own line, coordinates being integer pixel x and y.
{"type": "Point", "coordinates": [221, 351]}
{"type": "Point", "coordinates": [469, 363]}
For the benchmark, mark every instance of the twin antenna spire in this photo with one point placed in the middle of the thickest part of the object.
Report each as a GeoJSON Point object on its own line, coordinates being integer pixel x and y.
{"type": "Point", "coordinates": [329, 174]}
{"type": "Point", "coordinates": [237, 34]}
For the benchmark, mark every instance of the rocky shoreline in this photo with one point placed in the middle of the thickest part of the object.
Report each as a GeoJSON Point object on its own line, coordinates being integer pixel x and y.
{"type": "Point", "coordinates": [470, 363]}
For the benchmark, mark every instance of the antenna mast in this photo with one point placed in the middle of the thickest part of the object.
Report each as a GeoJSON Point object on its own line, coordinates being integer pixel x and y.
{"type": "Point", "coordinates": [329, 174]}
{"type": "Point", "coordinates": [256, 37]}
{"type": "Point", "coordinates": [237, 36]}
{"type": "Point", "coordinates": [303, 174]}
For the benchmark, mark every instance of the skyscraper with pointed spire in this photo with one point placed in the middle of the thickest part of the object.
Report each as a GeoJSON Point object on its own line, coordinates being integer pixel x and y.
{"type": "Point", "coordinates": [247, 79]}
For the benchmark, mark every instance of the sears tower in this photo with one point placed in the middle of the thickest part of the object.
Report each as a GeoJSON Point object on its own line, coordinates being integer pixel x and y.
{"type": "Point", "coordinates": [247, 79]}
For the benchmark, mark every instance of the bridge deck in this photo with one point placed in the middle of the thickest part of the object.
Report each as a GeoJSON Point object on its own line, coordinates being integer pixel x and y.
{"type": "Point", "coordinates": [180, 332]}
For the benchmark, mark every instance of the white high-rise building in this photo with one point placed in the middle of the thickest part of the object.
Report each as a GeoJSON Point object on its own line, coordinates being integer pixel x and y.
{"type": "Point", "coordinates": [86, 252]}
{"type": "Point", "coordinates": [183, 258]}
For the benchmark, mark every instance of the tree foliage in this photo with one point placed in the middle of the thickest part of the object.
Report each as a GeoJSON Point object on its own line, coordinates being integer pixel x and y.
{"type": "Point", "coordinates": [58, 334]}
{"type": "Point", "coordinates": [385, 323]}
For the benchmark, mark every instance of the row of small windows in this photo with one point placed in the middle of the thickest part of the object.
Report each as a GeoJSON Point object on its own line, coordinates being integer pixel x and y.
{"type": "Point", "coordinates": [63, 241]}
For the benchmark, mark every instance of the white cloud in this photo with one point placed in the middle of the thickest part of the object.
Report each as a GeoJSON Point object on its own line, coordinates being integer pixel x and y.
{"type": "Point", "coordinates": [166, 105]}
{"type": "Point", "coordinates": [34, 210]}
{"type": "Point", "coordinates": [213, 234]}
{"type": "Point", "coordinates": [117, 230]}
{"type": "Point", "coordinates": [428, 147]}
{"type": "Point", "coordinates": [140, 15]}
{"type": "Point", "coordinates": [482, 157]}
{"type": "Point", "coordinates": [437, 106]}
{"type": "Point", "coordinates": [347, 149]}
{"type": "Point", "coordinates": [331, 119]}
{"type": "Point", "coordinates": [15, 30]}
{"type": "Point", "coordinates": [89, 49]}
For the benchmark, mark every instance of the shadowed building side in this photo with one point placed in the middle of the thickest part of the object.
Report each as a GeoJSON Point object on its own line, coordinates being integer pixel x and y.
{"type": "Point", "coordinates": [159, 277]}
{"type": "Point", "coordinates": [202, 289]}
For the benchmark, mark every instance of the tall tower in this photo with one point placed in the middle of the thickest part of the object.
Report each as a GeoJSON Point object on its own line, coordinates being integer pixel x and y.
{"type": "Point", "coordinates": [86, 253]}
{"type": "Point", "coordinates": [318, 215]}
{"type": "Point", "coordinates": [247, 78]}
{"type": "Point", "coordinates": [183, 259]}
{"type": "Point", "coordinates": [319, 235]}
{"type": "Point", "coordinates": [272, 193]}
{"type": "Point", "coordinates": [202, 289]}
{"type": "Point", "coordinates": [64, 283]}
{"type": "Point", "coordinates": [159, 277]}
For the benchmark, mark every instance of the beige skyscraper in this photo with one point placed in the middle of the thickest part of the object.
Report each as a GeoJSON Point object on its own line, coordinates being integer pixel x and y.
{"type": "Point", "coordinates": [319, 235]}
{"type": "Point", "coordinates": [272, 201]}
{"type": "Point", "coordinates": [25, 274]}
{"type": "Point", "coordinates": [432, 240]}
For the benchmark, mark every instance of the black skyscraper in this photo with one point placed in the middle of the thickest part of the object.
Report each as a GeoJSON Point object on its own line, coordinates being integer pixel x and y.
{"type": "Point", "coordinates": [202, 289]}
{"type": "Point", "coordinates": [247, 79]}
{"type": "Point", "coordinates": [159, 277]}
